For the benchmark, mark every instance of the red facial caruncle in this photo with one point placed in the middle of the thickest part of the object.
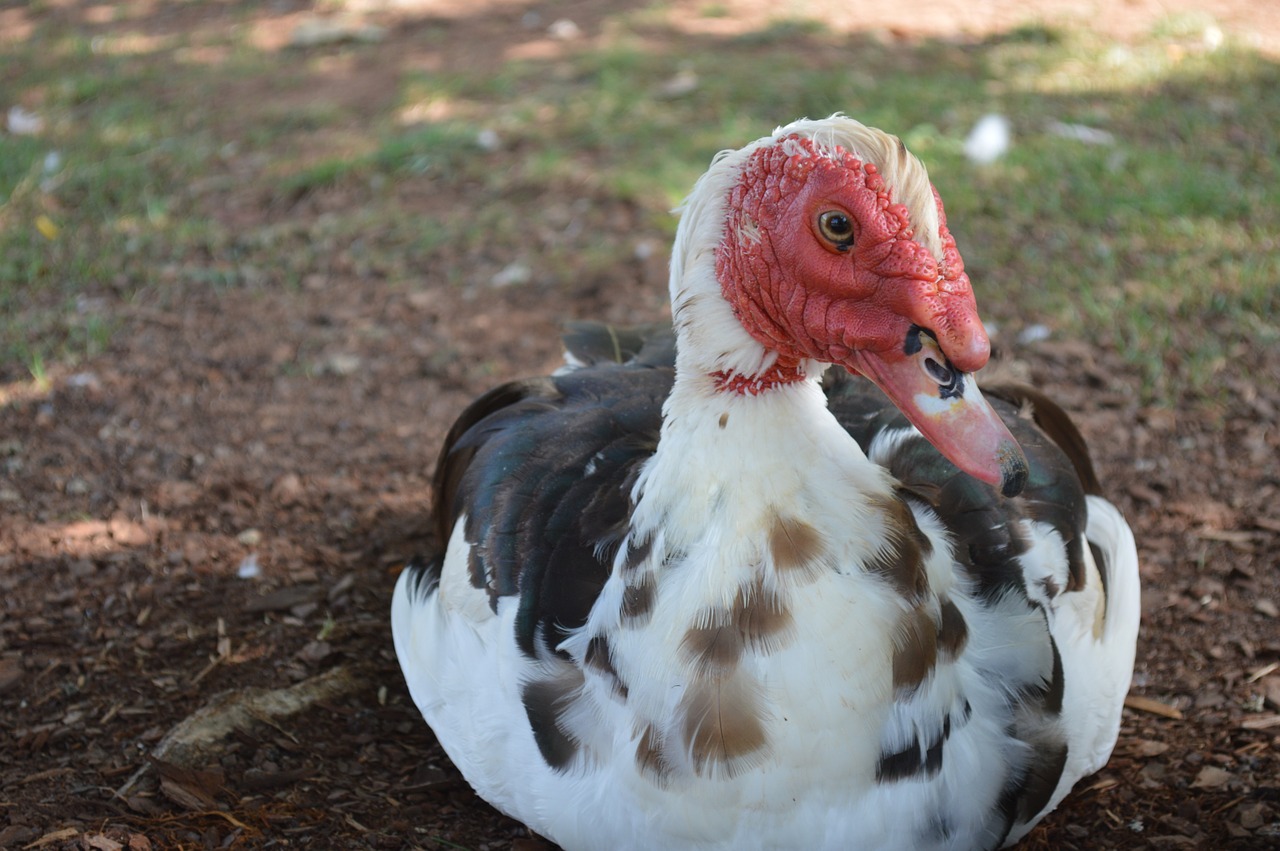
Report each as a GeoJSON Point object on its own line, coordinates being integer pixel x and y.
{"type": "Point", "coordinates": [820, 261]}
{"type": "Point", "coordinates": [805, 292]}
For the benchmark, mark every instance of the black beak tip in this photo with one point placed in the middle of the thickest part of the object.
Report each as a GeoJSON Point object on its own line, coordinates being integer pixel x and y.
{"type": "Point", "coordinates": [1013, 473]}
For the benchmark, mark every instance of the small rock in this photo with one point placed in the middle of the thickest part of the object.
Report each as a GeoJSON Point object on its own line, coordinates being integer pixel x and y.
{"type": "Point", "coordinates": [1266, 607]}
{"type": "Point", "coordinates": [683, 83]}
{"type": "Point", "coordinates": [564, 30]}
{"type": "Point", "coordinates": [250, 537]}
{"type": "Point", "coordinates": [85, 381]}
{"type": "Point", "coordinates": [341, 364]}
{"type": "Point", "coordinates": [315, 652]}
{"type": "Point", "coordinates": [514, 274]}
{"type": "Point", "coordinates": [488, 140]}
{"type": "Point", "coordinates": [76, 486]}
{"type": "Point", "coordinates": [287, 489]}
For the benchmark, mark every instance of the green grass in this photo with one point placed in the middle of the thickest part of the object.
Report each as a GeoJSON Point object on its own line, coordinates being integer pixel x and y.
{"type": "Point", "coordinates": [1161, 245]}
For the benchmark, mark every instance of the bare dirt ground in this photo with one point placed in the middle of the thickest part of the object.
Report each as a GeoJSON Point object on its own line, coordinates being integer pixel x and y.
{"type": "Point", "coordinates": [198, 540]}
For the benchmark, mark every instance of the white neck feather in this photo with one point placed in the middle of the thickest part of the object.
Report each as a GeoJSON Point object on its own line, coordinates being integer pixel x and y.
{"type": "Point", "coordinates": [784, 443]}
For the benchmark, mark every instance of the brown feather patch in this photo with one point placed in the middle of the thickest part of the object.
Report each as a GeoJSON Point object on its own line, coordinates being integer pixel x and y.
{"type": "Point", "coordinates": [915, 651]}
{"type": "Point", "coordinates": [650, 757]}
{"type": "Point", "coordinates": [907, 520]}
{"type": "Point", "coordinates": [637, 601]}
{"type": "Point", "coordinates": [762, 617]}
{"type": "Point", "coordinates": [600, 659]}
{"type": "Point", "coordinates": [758, 620]}
{"type": "Point", "coordinates": [545, 701]}
{"type": "Point", "coordinates": [795, 545]}
{"type": "Point", "coordinates": [637, 554]}
{"type": "Point", "coordinates": [712, 650]}
{"type": "Point", "coordinates": [953, 633]}
{"type": "Point", "coordinates": [722, 728]}
{"type": "Point", "coordinates": [901, 560]}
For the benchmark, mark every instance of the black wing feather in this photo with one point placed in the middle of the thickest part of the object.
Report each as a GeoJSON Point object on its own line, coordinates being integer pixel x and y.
{"type": "Point", "coordinates": [542, 470]}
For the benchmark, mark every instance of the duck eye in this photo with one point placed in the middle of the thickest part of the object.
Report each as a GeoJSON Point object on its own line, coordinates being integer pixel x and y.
{"type": "Point", "coordinates": [837, 227]}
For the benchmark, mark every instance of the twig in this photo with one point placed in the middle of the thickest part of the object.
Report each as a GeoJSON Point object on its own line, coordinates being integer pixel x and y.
{"type": "Point", "coordinates": [1155, 707]}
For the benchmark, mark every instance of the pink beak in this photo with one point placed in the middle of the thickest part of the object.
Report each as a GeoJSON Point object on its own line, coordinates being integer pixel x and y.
{"type": "Point", "coordinates": [948, 409]}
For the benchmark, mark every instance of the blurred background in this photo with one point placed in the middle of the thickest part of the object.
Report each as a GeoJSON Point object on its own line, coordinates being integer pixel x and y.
{"type": "Point", "coordinates": [255, 256]}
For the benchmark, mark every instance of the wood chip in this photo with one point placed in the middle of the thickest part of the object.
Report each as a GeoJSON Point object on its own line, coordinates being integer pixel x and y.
{"type": "Point", "coordinates": [1271, 524]}
{"type": "Point", "coordinates": [1261, 722]}
{"type": "Point", "coordinates": [1261, 672]}
{"type": "Point", "coordinates": [56, 836]}
{"type": "Point", "coordinates": [10, 672]}
{"type": "Point", "coordinates": [1211, 777]}
{"type": "Point", "coordinates": [45, 775]}
{"type": "Point", "coordinates": [1238, 537]}
{"type": "Point", "coordinates": [1149, 747]}
{"type": "Point", "coordinates": [240, 709]}
{"type": "Point", "coordinates": [284, 599]}
{"type": "Point", "coordinates": [195, 789]}
{"type": "Point", "coordinates": [1104, 783]}
{"type": "Point", "coordinates": [1142, 493]}
{"type": "Point", "coordinates": [1155, 707]}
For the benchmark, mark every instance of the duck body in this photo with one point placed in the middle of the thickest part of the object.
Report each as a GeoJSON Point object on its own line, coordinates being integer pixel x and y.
{"type": "Point", "coordinates": [704, 597]}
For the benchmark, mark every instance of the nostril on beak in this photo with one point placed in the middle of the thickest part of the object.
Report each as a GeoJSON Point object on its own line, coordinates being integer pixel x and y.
{"type": "Point", "coordinates": [941, 373]}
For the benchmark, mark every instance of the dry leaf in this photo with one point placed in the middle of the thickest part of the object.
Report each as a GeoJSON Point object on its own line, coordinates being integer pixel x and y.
{"type": "Point", "coordinates": [100, 842]}
{"type": "Point", "coordinates": [1149, 747]}
{"type": "Point", "coordinates": [1155, 707]}
{"type": "Point", "coordinates": [192, 788]}
{"type": "Point", "coordinates": [1211, 777]}
{"type": "Point", "coordinates": [56, 836]}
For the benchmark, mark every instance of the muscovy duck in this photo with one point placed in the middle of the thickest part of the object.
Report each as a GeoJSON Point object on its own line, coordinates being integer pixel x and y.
{"type": "Point", "coordinates": [708, 588]}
